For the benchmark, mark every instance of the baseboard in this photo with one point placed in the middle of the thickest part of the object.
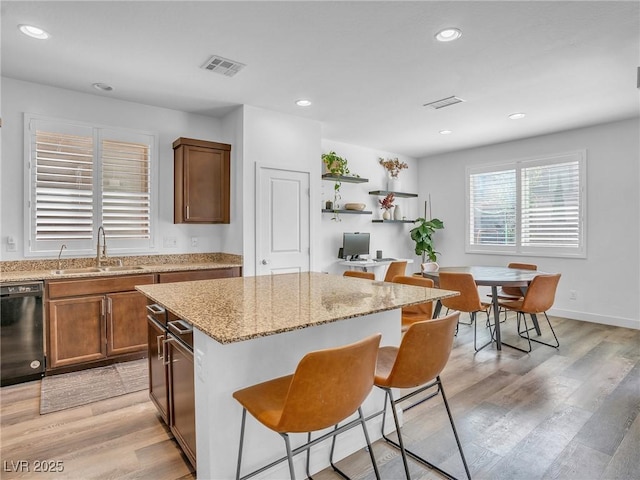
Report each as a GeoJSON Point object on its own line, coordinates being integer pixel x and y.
{"type": "Point", "coordinates": [595, 318]}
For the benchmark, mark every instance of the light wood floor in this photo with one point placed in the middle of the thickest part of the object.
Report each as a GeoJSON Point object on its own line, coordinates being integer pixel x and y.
{"type": "Point", "coordinates": [570, 413]}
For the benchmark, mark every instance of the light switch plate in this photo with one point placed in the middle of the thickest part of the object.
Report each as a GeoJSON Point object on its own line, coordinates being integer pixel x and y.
{"type": "Point", "coordinates": [11, 244]}
{"type": "Point", "coordinates": [170, 242]}
{"type": "Point", "coordinates": [194, 241]}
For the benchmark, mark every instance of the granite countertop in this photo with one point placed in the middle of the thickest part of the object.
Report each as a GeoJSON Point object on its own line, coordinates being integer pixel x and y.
{"type": "Point", "coordinates": [43, 269]}
{"type": "Point", "coordinates": [236, 309]}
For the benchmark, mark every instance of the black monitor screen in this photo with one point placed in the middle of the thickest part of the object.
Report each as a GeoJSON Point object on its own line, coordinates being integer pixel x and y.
{"type": "Point", "coordinates": [354, 244]}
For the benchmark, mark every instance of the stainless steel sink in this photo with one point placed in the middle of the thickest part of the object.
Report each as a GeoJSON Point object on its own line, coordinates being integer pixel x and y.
{"type": "Point", "coordinates": [76, 270]}
{"type": "Point", "coordinates": [121, 268]}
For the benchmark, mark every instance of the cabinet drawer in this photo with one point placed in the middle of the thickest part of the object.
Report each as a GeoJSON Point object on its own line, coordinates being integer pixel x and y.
{"type": "Point", "coordinates": [198, 275]}
{"type": "Point", "coordinates": [92, 286]}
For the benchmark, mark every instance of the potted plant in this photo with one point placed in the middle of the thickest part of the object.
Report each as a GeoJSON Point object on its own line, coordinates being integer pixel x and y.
{"type": "Point", "coordinates": [386, 204]}
{"type": "Point", "coordinates": [422, 234]}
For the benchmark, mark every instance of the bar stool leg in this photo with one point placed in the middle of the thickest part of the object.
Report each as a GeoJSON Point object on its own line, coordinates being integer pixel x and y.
{"type": "Point", "coordinates": [244, 419]}
{"type": "Point", "coordinates": [400, 444]}
{"type": "Point", "coordinates": [453, 427]}
{"type": "Point", "coordinates": [289, 456]}
{"type": "Point", "coordinates": [369, 447]}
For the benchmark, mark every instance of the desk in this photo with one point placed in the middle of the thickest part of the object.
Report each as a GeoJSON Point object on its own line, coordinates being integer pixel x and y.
{"type": "Point", "coordinates": [493, 277]}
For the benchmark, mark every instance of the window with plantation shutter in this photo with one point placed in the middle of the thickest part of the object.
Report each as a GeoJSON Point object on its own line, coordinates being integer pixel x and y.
{"type": "Point", "coordinates": [81, 177]}
{"type": "Point", "coordinates": [529, 207]}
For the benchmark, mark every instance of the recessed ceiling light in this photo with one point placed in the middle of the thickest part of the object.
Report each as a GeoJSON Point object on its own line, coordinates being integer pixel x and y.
{"type": "Point", "coordinates": [34, 32]}
{"type": "Point", "coordinates": [448, 34]}
{"type": "Point", "coordinates": [103, 87]}
{"type": "Point", "coordinates": [446, 132]}
{"type": "Point", "coordinates": [303, 103]}
{"type": "Point", "coordinates": [517, 116]}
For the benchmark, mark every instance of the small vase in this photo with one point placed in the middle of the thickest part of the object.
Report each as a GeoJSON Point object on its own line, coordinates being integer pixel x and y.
{"type": "Point", "coordinates": [393, 184]}
{"type": "Point", "coordinates": [397, 213]}
{"type": "Point", "coordinates": [386, 215]}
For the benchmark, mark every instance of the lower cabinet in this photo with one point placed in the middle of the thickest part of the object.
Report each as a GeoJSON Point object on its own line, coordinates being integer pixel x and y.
{"type": "Point", "coordinates": [158, 371]}
{"type": "Point", "coordinates": [94, 320]}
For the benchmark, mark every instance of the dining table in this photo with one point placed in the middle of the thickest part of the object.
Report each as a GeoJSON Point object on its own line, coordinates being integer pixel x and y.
{"type": "Point", "coordinates": [493, 277]}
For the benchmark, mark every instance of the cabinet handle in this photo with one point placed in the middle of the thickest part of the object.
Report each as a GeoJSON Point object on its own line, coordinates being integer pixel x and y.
{"type": "Point", "coordinates": [109, 306]}
{"type": "Point", "coordinates": [160, 348]}
{"type": "Point", "coordinates": [187, 214]}
{"type": "Point", "coordinates": [165, 356]}
{"type": "Point", "coordinates": [102, 307]}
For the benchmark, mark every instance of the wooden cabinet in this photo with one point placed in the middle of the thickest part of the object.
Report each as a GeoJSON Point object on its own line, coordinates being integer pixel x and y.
{"type": "Point", "coordinates": [182, 402]}
{"type": "Point", "coordinates": [199, 275]}
{"type": "Point", "coordinates": [202, 173]}
{"type": "Point", "coordinates": [95, 319]}
{"type": "Point", "coordinates": [158, 373]}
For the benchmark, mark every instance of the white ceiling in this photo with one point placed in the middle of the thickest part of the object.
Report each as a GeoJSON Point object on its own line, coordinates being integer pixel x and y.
{"type": "Point", "coordinates": [368, 67]}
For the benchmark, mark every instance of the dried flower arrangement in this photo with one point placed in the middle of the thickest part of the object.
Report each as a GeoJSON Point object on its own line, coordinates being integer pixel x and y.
{"type": "Point", "coordinates": [393, 166]}
{"type": "Point", "coordinates": [387, 202]}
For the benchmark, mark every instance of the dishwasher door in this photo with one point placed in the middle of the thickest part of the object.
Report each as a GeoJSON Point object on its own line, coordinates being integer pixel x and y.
{"type": "Point", "coordinates": [21, 333]}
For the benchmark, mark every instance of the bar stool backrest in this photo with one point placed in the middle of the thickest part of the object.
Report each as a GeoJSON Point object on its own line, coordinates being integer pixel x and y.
{"type": "Point", "coordinates": [395, 269]}
{"type": "Point", "coordinates": [424, 352]}
{"type": "Point", "coordinates": [359, 274]}
{"type": "Point", "coordinates": [423, 311]}
{"type": "Point", "coordinates": [541, 294]}
{"type": "Point", "coordinates": [469, 298]}
{"type": "Point", "coordinates": [329, 385]}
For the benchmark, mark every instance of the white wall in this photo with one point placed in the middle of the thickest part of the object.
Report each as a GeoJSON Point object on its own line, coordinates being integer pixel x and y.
{"type": "Point", "coordinates": [607, 282]}
{"type": "Point", "coordinates": [392, 238]}
{"type": "Point", "coordinates": [19, 97]}
{"type": "Point", "coordinates": [275, 139]}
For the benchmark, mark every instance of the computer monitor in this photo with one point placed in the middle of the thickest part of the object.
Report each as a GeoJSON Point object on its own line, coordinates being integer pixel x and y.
{"type": "Point", "coordinates": [354, 244]}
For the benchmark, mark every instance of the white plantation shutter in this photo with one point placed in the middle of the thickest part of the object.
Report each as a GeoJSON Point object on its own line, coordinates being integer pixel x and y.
{"type": "Point", "coordinates": [532, 207]}
{"type": "Point", "coordinates": [125, 189]}
{"type": "Point", "coordinates": [81, 177]}
{"type": "Point", "coordinates": [63, 166]}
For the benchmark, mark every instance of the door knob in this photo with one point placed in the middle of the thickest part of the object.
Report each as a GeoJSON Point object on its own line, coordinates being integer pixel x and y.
{"type": "Point", "coordinates": [265, 262]}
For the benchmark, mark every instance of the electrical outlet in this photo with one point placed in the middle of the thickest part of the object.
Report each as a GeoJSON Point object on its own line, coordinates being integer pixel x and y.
{"type": "Point", "coordinates": [573, 295]}
{"type": "Point", "coordinates": [11, 244]}
{"type": "Point", "coordinates": [170, 242]}
{"type": "Point", "coordinates": [194, 241]}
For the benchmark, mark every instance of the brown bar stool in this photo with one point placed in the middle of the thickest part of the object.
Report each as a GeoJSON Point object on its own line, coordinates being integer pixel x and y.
{"type": "Point", "coordinates": [327, 387]}
{"type": "Point", "coordinates": [359, 274]}
{"type": "Point", "coordinates": [417, 362]}
{"type": "Point", "coordinates": [421, 311]}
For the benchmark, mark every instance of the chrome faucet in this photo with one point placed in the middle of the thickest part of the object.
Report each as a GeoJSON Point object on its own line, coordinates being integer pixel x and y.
{"type": "Point", "coordinates": [101, 256]}
{"type": "Point", "coordinates": [62, 247]}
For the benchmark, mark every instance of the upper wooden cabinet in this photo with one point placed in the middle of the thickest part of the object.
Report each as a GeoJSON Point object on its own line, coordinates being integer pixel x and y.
{"type": "Point", "coordinates": [202, 172]}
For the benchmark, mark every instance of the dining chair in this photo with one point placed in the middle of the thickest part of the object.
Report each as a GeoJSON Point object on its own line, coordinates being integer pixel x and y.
{"type": "Point", "coordinates": [360, 274]}
{"type": "Point", "coordinates": [421, 311]}
{"type": "Point", "coordinates": [327, 387]}
{"type": "Point", "coordinates": [513, 293]}
{"type": "Point", "coordinates": [468, 300]}
{"type": "Point", "coordinates": [395, 269]}
{"type": "Point", "coordinates": [422, 355]}
{"type": "Point", "coordinates": [539, 298]}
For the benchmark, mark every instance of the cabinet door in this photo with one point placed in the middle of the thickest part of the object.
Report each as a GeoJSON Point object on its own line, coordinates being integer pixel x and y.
{"type": "Point", "coordinates": [198, 275]}
{"type": "Point", "coordinates": [126, 323]}
{"type": "Point", "coordinates": [182, 418]}
{"type": "Point", "coordinates": [77, 330]}
{"type": "Point", "coordinates": [202, 177]}
{"type": "Point", "coordinates": [158, 372]}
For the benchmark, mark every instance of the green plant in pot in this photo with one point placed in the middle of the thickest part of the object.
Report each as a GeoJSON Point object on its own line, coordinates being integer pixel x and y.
{"type": "Point", "coordinates": [336, 166]}
{"type": "Point", "coordinates": [422, 234]}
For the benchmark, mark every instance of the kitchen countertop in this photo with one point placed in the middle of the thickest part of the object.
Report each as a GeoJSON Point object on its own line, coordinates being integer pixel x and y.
{"type": "Point", "coordinates": [43, 269]}
{"type": "Point", "coordinates": [236, 309]}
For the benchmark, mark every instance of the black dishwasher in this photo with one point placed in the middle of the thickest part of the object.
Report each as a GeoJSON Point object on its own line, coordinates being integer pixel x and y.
{"type": "Point", "coordinates": [21, 332]}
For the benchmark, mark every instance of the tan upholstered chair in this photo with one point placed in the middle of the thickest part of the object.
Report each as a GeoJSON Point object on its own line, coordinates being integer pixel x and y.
{"type": "Point", "coordinates": [360, 274]}
{"type": "Point", "coordinates": [423, 353]}
{"type": "Point", "coordinates": [513, 293]}
{"type": "Point", "coordinates": [415, 313]}
{"type": "Point", "coordinates": [468, 300]}
{"type": "Point", "coordinates": [327, 387]}
{"type": "Point", "coordinates": [395, 269]}
{"type": "Point", "coordinates": [539, 298]}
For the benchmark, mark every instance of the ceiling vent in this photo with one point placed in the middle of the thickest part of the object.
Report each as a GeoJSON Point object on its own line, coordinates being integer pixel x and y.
{"type": "Point", "coordinates": [223, 66]}
{"type": "Point", "coordinates": [445, 102]}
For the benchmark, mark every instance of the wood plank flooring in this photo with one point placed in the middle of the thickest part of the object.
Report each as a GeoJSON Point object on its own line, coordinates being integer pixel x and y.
{"type": "Point", "coordinates": [570, 413]}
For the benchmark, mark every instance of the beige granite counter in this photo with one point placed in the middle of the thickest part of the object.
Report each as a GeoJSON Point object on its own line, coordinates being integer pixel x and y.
{"type": "Point", "coordinates": [235, 309]}
{"type": "Point", "coordinates": [43, 269]}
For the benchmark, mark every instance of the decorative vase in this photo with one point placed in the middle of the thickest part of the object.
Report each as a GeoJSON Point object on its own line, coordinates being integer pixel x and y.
{"type": "Point", "coordinates": [393, 184]}
{"type": "Point", "coordinates": [397, 213]}
{"type": "Point", "coordinates": [386, 215]}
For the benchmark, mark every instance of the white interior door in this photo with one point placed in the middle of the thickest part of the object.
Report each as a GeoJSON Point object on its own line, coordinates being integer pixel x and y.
{"type": "Point", "coordinates": [282, 221]}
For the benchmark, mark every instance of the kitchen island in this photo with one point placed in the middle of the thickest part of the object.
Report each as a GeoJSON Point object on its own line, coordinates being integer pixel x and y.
{"type": "Point", "coordinates": [251, 329]}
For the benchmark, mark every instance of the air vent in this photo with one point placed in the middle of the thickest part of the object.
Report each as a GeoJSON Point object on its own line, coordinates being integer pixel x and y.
{"type": "Point", "coordinates": [223, 66]}
{"type": "Point", "coordinates": [445, 102]}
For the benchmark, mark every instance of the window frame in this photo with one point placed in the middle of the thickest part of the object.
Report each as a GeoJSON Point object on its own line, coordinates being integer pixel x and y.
{"type": "Point", "coordinates": [115, 246]}
{"type": "Point", "coordinates": [519, 165]}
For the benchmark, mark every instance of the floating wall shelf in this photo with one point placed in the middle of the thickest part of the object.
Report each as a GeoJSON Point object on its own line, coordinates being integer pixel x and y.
{"type": "Point", "coordinates": [341, 178]}
{"type": "Point", "coordinates": [354, 212]}
{"type": "Point", "coordinates": [392, 221]}
{"type": "Point", "coordinates": [384, 193]}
